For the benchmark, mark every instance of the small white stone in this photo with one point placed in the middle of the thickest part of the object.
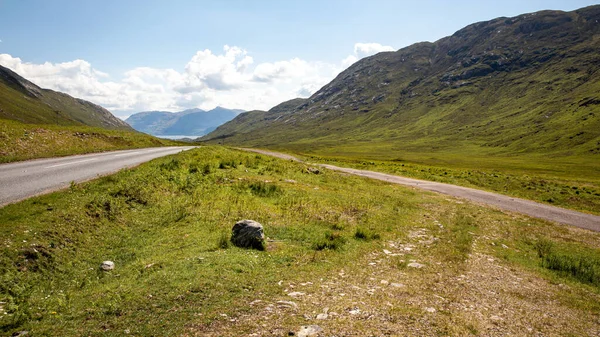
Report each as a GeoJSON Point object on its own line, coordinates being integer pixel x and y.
{"type": "Point", "coordinates": [432, 310]}
{"type": "Point", "coordinates": [287, 304]}
{"type": "Point", "coordinates": [107, 265]}
{"type": "Point", "coordinates": [397, 285]}
{"type": "Point", "coordinates": [322, 316]}
{"type": "Point", "coordinates": [415, 265]}
{"type": "Point", "coordinates": [355, 312]}
{"type": "Point", "coordinates": [295, 294]}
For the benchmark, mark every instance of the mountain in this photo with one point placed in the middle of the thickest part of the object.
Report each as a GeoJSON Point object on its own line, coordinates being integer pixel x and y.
{"type": "Point", "coordinates": [526, 84]}
{"type": "Point", "coordinates": [23, 101]}
{"type": "Point", "coordinates": [194, 122]}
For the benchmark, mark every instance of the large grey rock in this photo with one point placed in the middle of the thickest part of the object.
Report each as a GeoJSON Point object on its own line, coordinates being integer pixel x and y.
{"type": "Point", "coordinates": [248, 234]}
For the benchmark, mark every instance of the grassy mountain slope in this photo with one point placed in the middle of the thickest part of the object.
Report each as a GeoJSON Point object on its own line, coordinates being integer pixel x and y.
{"type": "Point", "coordinates": [39, 123]}
{"type": "Point", "coordinates": [151, 122]}
{"type": "Point", "coordinates": [505, 87]}
{"type": "Point", "coordinates": [25, 102]}
{"type": "Point", "coordinates": [187, 122]}
{"type": "Point", "coordinates": [19, 141]}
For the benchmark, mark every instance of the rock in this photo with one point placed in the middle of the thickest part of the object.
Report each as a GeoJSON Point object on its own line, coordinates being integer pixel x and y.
{"type": "Point", "coordinates": [107, 265]}
{"type": "Point", "coordinates": [415, 265]}
{"type": "Point", "coordinates": [309, 330]}
{"type": "Point", "coordinates": [295, 294]}
{"type": "Point", "coordinates": [355, 311]}
{"type": "Point", "coordinates": [432, 310]}
{"type": "Point", "coordinates": [397, 285]}
{"type": "Point", "coordinates": [313, 170]}
{"type": "Point", "coordinates": [496, 318]}
{"type": "Point", "coordinates": [248, 234]}
{"type": "Point", "coordinates": [322, 316]}
{"type": "Point", "coordinates": [287, 304]}
{"type": "Point", "coordinates": [20, 333]}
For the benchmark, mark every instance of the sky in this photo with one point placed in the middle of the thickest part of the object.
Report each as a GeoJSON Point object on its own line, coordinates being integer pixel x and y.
{"type": "Point", "coordinates": [171, 55]}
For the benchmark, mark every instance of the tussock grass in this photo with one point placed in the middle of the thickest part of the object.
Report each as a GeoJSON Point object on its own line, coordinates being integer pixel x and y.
{"type": "Point", "coordinates": [366, 234]}
{"type": "Point", "coordinates": [584, 267]}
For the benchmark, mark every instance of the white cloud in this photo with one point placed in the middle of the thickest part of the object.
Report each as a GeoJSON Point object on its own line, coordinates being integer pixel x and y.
{"type": "Point", "coordinates": [230, 78]}
{"type": "Point", "coordinates": [367, 49]}
{"type": "Point", "coordinates": [363, 50]}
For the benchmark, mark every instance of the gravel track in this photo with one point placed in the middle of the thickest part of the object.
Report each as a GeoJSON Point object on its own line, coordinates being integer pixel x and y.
{"type": "Point", "coordinates": [527, 207]}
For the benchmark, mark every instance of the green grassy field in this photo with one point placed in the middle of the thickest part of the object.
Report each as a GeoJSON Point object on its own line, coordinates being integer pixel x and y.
{"type": "Point", "coordinates": [368, 256]}
{"type": "Point", "coordinates": [571, 182]}
{"type": "Point", "coordinates": [20, 141]}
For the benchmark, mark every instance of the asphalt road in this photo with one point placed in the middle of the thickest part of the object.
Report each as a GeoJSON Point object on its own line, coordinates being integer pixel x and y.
{"type": "Point", "coordinates": [25, 179]}
{"type": "Point", "coordinates": [527, 207]}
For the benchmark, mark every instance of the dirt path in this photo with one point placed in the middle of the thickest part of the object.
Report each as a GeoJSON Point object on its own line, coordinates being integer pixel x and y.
{"type": "Point", "coordinates": [528, 207]}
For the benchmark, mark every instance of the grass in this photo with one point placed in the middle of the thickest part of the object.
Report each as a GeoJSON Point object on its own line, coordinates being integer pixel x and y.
{"type": "Point", "coordinates": [449, 111]}
{"type": "Point", "coordinates": [565, 183]}
{"type": "Point", "coordinates": [20, 141]}
{"type": "Point", "coordinates": [334, 241]}
{"type": "Point", "coordinates": [584, 266]}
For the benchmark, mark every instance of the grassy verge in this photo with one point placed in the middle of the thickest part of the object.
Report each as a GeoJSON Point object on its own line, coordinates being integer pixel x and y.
{"type": "Point", "coordinates": [20, 141]}
{"type": "Point", "coordinates": [564, 182]}
{"type": "Point", "coordinates": [367, 256]}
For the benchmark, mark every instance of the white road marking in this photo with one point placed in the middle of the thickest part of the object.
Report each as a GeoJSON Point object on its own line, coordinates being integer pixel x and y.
{"type": "Point", "coordinates": [125, 154]}
{"type": "Point", "coordinates": [73, 162]}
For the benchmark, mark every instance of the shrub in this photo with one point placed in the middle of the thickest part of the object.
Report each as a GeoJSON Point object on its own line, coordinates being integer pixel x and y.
{"type": "Point", "coordinates": [223, 240]}
{"type": "Point", "coordinates": [171, 165]}
{"type": "Point", "coordinates": [226, 164]}
{"type": "Point", "coordinates": [543, 247]}
{"type": "Point", "coordinates": [262, 189]}
{"type": "Point", "coordinates": [366, 234]}
{"type": "Point", "coordinates": [206, 169]}
{"type": "Point", "coordinates": [332, 241]}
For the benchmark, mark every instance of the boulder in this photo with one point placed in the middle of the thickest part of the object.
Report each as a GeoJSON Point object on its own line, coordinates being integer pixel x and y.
{"type": "Point", "coordinates": [248, 234]}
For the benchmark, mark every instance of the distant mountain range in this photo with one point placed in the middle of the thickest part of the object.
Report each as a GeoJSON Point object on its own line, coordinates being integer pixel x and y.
{"type": "Point", "coordinates": [23, 101]}
{"type": "Point", "coordinates": [526, 84]}
{"type": "Point", "coordinates": [192, 122]}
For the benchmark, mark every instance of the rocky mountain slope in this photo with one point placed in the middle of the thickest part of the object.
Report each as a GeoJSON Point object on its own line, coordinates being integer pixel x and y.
{"type": "Point", "coordinates": [23, 101]}
{"type": "Point", "coordinates": [188, 122]}
{"type": "Point", "coordinates": [527, 84]}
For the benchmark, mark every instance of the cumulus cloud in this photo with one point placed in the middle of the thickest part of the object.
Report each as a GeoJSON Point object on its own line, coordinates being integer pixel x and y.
{"type": "Point", "coordinates": [363, 50]}
{"type": "Point", "coordinates": [229, 78]}
{"type": "Point", "coordinates": [366, 49]}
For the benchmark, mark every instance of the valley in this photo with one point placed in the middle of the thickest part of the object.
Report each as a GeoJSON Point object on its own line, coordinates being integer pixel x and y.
{"type": "Point", "coordinates": [422, 263]}
{"type": "Point", "coordinates": [447, 188]}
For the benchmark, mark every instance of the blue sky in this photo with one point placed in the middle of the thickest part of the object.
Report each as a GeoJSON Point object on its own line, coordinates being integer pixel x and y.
{"type": "Point", "coordinates": [95, 49]}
